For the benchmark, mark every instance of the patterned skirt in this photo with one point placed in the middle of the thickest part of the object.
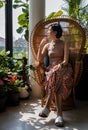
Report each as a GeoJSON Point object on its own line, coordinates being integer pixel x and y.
{"type": "Point", "coordinates": [60, 80]}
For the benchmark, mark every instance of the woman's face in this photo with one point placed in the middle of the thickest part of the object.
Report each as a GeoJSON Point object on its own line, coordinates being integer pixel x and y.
{"type": "Point", "coordinates": [50, 33]}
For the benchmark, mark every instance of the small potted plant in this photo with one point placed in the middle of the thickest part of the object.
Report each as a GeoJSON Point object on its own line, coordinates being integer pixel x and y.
{"type": "Point", "coordinates": [13, 89]}
{"type": "Point", "coordinates": [24, 73]}
{"type": "Point", "coordinates": [3, 90]}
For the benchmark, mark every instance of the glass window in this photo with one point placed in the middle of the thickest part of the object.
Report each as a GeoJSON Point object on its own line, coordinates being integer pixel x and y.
{"type": "Point", "coordinates": [20, 44]}
{"type": "Point", "coordinates": [2, 28]}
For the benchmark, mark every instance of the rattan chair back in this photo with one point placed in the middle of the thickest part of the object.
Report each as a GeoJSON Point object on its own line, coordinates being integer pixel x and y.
{"type": "Point", "coordinates": [74, 34]}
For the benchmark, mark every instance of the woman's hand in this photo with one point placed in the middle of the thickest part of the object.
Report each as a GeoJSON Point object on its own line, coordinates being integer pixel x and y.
{"type": "Point", "coordinates": [43, 42]}
{"type": "Point", "coordinates": [56, 67]}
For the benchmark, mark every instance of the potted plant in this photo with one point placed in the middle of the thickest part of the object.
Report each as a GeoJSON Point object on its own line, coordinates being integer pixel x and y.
{"type": "Point", "coordinates": [26, 86]}
{"type": "Point", "coordinates": [13, 89]}
{"type": "Point", "coordinates": [8, 68]}
{"type": "Point", "coordinates": [17, 75]}
{"type": "Point", "coordinates": [3, 90]}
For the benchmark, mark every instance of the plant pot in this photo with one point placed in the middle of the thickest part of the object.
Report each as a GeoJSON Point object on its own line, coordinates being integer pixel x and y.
{"type": "Point", "coordinates": [13, 98]}
{"type": "Point", "coordinates": [3, 104]}
{"type": "Point", "coordinates": [24, 94]}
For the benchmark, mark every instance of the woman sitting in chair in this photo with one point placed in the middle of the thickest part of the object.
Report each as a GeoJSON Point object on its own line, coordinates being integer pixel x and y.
{"type": "Point", "coordinates": [58, 82]}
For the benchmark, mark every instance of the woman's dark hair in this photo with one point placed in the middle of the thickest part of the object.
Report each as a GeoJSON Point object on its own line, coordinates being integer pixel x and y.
{"type": "Point", "coordinates": [57, 27]}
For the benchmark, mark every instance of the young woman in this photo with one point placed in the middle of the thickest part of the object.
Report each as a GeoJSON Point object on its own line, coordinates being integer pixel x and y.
{"type": "Point", "coordinates": [59, 72]}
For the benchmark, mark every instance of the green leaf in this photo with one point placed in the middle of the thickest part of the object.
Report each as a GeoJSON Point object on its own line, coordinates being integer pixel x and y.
{"type": "Point", "coordinates": [17, 1]}
{"type": "Point", "coordinates": [26, 35]}
{"type": "Point", "coordinates": [1, 4]}
{"type": "Point", "coordinates": [31, 67]}
{"type": "Point", "coordinates": [15, 6]}
{"type": "Point", "coordinates": [22, 20]}
{"type": "Point", "coordinates": [54, 15]}
{"type": "Point", "coordinates": [58, 13]}
{"type": "Point", "coordinates": [20, 30]}
{"type": "Point", "coordinates": [25, 11]}
{"type": "Point", "coordinates": [50, 15]}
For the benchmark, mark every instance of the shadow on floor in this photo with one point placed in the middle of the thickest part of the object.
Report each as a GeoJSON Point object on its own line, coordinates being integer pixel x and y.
{"type": "Point", "coordinates": [25, 117]}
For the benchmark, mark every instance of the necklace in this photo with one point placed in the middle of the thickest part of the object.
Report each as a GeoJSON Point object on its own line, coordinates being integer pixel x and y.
{"type": "Point", "coordinates": [52, 45]}
{"type": "Point", "coordinates": [54, 42]}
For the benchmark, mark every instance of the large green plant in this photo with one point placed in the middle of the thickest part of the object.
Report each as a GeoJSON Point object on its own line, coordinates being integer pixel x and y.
{"type": "Point", "coordinates": [78, 9]}
{"type": "Point", "coordinates": [23, 18]}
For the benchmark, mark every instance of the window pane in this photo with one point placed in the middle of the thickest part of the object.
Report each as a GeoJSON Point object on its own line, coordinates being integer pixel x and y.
{"type": "Point", "coordinates": [20, 45]}
{"type": "Point", "coordinates": [2, 28]}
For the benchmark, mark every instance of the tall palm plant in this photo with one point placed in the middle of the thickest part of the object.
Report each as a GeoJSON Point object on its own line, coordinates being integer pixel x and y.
{"type": "Point", "coordinates": [78, 9]}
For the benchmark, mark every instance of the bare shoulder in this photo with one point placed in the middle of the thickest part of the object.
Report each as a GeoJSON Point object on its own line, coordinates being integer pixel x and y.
{"type": "Point", "coordinates": [63, 43]}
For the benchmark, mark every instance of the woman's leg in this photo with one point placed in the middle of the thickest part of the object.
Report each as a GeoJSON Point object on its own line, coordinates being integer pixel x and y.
{"type": "Point", "coordinates": [45, 111]}
{"type": "Point", "coordinates": [59, 119]}
{"type": "Point", "coordinates": [58, 99]}
{"type": "Point", "coordinates": [48, 101]}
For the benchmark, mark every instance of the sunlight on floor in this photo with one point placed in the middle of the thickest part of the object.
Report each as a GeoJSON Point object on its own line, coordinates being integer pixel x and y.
{"type": "Point", "coordinates": [25, 117]}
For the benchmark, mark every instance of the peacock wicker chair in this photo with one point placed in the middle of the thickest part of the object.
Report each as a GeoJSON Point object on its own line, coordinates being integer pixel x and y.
{"type": "Point", "coordinates": [74, 34]}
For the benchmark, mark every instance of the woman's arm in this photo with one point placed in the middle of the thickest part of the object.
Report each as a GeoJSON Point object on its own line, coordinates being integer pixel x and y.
{"type": "Point", "coordinates": [42, 50]}
{"type": "Point", "coordinates": [66, 54]}
{"type": "Point", "coordinates": [41, 53]}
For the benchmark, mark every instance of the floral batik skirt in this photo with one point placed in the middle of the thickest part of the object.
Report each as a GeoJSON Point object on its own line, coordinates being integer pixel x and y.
{"type": "Point", "coordinates": [60, 80]}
